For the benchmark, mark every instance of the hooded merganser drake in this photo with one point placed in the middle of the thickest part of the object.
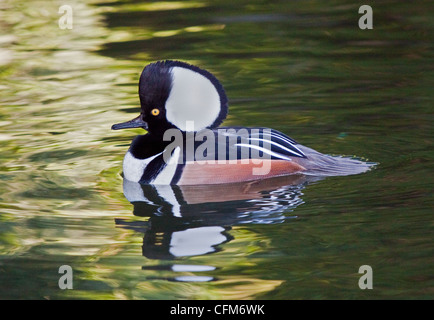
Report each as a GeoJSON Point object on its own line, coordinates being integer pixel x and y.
{"type": "Point", "coordinates": [182, 107]}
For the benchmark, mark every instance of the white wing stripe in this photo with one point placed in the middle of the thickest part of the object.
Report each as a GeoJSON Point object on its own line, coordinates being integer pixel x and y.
{"type": "Point", "coordinates": [280, 146]}
{"type": "Point", "coordinates": [277, 155]}
{"type": "Point", "coordinates": [288, 141]}
{"type": "Point", "coordinates": [273, 134]}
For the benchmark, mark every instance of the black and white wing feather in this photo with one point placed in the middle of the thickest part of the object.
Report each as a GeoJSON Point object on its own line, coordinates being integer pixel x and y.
{"type": "Point", "coordinates": [254, 143]}
{"type": "Point", "coordinates": [271, 141]}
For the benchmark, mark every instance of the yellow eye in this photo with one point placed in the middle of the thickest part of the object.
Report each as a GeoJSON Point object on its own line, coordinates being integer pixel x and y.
{"type": "Point", "coordinates": [155, 112]}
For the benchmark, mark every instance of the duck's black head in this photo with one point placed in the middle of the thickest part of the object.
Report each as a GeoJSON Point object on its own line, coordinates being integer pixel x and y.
{"type": "Point", "coordinates": [175, 94]}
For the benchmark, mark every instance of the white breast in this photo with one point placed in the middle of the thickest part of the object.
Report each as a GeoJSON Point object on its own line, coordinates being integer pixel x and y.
{"type": "Point", "coordinates": [133, 168]}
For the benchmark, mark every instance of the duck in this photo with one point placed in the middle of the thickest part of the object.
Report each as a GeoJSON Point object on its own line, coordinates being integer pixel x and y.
{"type": "Point", "coordinates": [182, 108]}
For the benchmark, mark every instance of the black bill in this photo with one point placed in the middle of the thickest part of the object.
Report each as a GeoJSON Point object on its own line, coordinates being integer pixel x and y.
{"type": "Point", "coordinates": [135, 123]}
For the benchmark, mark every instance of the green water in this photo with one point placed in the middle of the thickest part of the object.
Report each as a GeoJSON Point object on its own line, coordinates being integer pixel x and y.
{"type": "Point", "coordinates": [301, 67]}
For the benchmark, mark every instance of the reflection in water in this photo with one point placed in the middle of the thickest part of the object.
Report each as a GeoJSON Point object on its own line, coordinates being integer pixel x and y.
{"type": "Point", "coordinates": [187, 221]}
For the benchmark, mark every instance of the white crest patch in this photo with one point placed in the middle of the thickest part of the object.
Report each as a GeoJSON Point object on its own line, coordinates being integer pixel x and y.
{"type": "Point", "coordinates": [193, 98]}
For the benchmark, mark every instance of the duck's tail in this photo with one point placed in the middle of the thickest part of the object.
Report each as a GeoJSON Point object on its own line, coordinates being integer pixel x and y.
{"type": "Point", "coordinates": [318, 164]}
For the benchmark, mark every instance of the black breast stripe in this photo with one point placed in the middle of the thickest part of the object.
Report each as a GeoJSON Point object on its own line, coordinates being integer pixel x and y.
{"type": "Point", "coordinates": [153, 169]}
{"type": "Point", "coordinates": [178, 173]}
